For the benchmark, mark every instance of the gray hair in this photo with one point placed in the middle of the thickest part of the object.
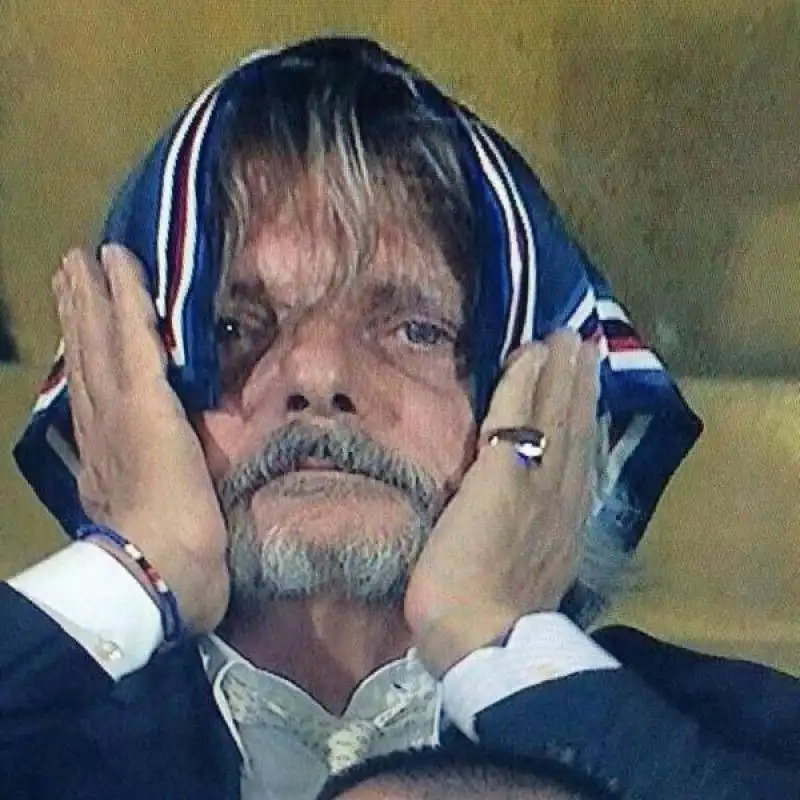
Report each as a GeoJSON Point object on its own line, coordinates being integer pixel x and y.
{"type": "Point", "coordinates": [361, 144]}
{"type": "Point", "coordinates": [604, 568]}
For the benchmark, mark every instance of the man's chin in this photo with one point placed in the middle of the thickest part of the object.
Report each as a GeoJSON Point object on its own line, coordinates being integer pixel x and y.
{"type": "Point", "coordinates": [328, 508]}
{"type": "Point", "coordinates": [295, 547]}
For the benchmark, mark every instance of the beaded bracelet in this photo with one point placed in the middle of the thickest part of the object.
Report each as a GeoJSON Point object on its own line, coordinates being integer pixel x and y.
{"type": "Point", "coordinates": [165, 600]}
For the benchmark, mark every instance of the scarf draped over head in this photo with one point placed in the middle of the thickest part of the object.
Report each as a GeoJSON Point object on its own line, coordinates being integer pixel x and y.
{"type": "Point", "coordinates": [532, 280]}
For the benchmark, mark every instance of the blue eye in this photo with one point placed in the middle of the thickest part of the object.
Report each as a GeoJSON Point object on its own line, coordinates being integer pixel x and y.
{"type": "Point", "coordinates": [424, 334]}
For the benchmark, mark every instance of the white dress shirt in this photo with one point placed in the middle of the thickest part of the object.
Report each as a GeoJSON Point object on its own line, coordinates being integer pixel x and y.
{"type": "Point", "coordinates": [289, 743]}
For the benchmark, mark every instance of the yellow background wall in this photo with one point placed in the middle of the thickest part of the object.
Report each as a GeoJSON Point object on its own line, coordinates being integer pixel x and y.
{"type": "Point", "coordinates": [668, 134]}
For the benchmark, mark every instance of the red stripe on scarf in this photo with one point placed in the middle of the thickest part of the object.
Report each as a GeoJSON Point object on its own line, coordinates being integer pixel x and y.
{"type": "Point", "coordinates": [621, 344]}
{"type": "Point", "coordinates": [177, 239]}
{"type": "Point", "coordinates": [54, 376]}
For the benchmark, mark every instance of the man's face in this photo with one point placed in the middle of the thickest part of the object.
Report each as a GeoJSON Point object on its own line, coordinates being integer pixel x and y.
{"type": "Point", "coordinates": [309, 349]}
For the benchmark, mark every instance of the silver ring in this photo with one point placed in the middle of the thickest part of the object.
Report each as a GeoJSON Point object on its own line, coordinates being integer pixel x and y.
{"type": "Point", "coordinates": [528, 444]}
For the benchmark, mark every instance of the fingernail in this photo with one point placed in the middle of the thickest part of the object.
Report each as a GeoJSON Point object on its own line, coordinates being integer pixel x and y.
{"type": "Point", "coordinates": [111, 253]}
{"type": "Point", "coordinates": [64, 276]}
{"type": "Point", "coordinates": [106, 254]}
{"type": "Point", "coordinates": [70, 256]}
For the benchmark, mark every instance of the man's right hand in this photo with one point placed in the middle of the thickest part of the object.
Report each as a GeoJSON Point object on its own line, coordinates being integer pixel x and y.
{"type": "Point", "coordinates": [142, 470]}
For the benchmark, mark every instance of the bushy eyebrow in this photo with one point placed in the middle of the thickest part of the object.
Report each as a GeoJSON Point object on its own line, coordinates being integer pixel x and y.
{"type": "Point", "coordinates": [404, 296]}
{"type": "Point", "coordinates": [381, 297]}
{"type": "Point", "coordinates": [243, 294]}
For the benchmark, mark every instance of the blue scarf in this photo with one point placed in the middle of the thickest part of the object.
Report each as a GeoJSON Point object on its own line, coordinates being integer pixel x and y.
{"type": "Point", "coordinates": [532, 281]}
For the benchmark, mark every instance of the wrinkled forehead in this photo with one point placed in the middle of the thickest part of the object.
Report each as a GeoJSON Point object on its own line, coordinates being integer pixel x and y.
{"type": "Point", "coordinates": [300, 241]}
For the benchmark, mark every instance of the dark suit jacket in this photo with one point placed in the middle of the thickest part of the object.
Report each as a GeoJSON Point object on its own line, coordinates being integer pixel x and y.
{"type": "Point", "coordinates": [672, 724]}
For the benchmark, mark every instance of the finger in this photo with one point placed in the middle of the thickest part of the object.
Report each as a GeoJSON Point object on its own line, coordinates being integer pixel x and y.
{"type": "Point", "coordinates": [510, 407]}
{"type": "Point", "coordinates": [582, 411]}
{"type": "Point", "coordinates": [88, 282]}
{"type": "Point", "coordinates": [141, 348]}
{"type": "Point", "coordinates": [96, 337]}
{"type": "Point", "coordinates": [80, 406]}
{"type": "Point", "coordinates": [512, 402]}
{"type": "Point", "coordinates": [581, 429]}
{"type": "Point", "coordinates": [554, 389]}
{"type": "Point", "coordinates": [553, 397]}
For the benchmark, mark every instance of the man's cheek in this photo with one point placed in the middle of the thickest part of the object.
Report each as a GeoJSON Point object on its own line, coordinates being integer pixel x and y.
{"type": "Point", "coordinates": [464, 462]}
{"type": "Point", "coordinates": [217, 437]}
{"type": "Point", "coordinates": [453, 446]}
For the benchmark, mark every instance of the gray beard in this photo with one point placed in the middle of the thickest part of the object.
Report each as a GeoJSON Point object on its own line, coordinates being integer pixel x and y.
{"type": "Point", "coordinates": [281, 563]}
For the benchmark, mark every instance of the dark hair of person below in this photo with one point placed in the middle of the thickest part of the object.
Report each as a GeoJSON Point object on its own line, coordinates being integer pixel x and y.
{"type": "Point", "coordinates": [426, 766]}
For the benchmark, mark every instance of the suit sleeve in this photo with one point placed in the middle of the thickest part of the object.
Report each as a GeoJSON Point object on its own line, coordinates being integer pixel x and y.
{"type": "Point", "coordinates": [98, 602]}
{"type": "Point", "coordinates": [613, 726]}
{"type": "Point", "coordinates": [46, 678]}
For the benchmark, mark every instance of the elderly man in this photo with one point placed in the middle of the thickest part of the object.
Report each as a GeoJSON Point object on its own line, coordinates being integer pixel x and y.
{"type": "Point", "coordinates": [330, 422]}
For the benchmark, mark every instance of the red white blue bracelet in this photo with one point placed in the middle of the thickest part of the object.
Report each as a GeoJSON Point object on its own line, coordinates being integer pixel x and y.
{"type": "Point", "coordinates": [165, 600]}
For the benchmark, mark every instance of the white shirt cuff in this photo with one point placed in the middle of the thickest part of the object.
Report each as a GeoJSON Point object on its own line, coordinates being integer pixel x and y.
{"type": "Point", "coordinates": [97, 602]}
{"type": "Point", "coordinates": [542, 647]}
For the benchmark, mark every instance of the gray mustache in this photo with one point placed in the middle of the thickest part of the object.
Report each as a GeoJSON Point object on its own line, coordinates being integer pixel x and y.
{"type": "Point", "coordinates": [340, 448]}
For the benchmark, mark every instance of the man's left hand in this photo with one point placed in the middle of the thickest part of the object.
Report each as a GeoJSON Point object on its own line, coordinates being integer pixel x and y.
{"type": "Point", "coordinates": [505, 545]}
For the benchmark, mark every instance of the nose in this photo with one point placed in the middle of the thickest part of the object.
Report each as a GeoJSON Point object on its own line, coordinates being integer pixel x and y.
{"type": "Point", "coordinates": [316, 369]}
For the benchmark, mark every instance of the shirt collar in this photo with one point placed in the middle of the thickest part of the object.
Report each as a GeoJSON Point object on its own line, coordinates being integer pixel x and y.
{"type": "Point", "coordinates": [381, 697]}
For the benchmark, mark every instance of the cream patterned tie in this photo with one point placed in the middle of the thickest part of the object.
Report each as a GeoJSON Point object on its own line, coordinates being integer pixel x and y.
{"type": "Point", "coordinates": [341, 742]}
